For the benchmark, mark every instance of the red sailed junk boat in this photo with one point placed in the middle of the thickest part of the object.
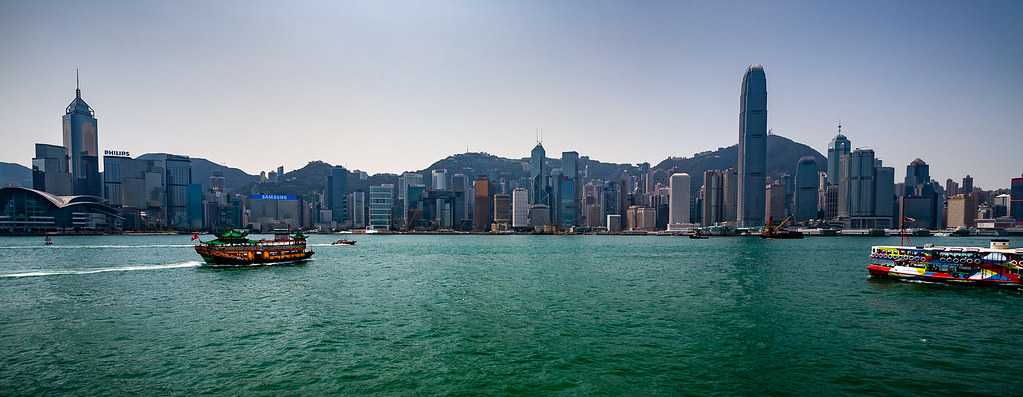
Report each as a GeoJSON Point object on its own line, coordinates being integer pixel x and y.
{"type": "Point", "coordinates": [233, 249]}
{"type": "Point", "coordinates": [998, 265]}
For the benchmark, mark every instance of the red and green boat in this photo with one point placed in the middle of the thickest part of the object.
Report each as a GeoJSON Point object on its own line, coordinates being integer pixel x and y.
{"type": "Point", "coordinates": [997, 265]}
{"type": "Point", "coordinates": [233, 248]}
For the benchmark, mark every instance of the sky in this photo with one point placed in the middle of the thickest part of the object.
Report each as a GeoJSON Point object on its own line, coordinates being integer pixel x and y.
{"type": "Point", "coordinates": [387, 86]}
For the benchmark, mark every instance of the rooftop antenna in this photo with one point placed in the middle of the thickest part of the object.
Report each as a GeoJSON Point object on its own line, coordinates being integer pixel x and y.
{"type": "Point", "coordinates": [78, 90]}
{"type": "Point", "coordinates": [840, 127]}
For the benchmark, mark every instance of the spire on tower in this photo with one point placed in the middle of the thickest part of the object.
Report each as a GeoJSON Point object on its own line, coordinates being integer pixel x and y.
{"type": "Point", "coordinates": [78, 89]}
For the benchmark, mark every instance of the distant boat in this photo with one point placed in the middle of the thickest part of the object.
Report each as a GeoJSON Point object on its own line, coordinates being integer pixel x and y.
{"type": "Point", "coordinates": [344, 242]}
{"type": "Point", "coordinates": [48, 241]}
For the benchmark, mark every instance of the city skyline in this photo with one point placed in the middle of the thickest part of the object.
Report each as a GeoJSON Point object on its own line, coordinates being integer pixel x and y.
{"type": "Point", "coordinates": [670, 114]}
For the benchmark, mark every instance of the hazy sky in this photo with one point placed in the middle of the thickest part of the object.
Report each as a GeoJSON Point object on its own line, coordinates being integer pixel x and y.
{"type": "Point", "coordinates": [390, 86]}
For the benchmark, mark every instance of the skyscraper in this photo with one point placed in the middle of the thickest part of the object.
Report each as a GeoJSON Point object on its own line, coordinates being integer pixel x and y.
{"type": "Point", "coordinates": [967, 184]}
{"type": "Point", "coordinates": [962, 211]}
{"type": "Point", "coordinates": [678, 208]}
{"type": "Point", "coordinates": [50, 170]}
{"type": "Point", "coordinates": [713, 197]}
{"type": "Point", "coordinates": [538, 175]}
{"type": "Point", "coordinates": [752, 147]}
{"type": "Point", "coordinates": [839, 146]}
{"type": "Point", "coordinates": [336, 194]}
{"type": "Point", "coordinates": [807, 180]}
{"type": "Point", "coordinates": [568, 190]}
{"type": "Point", "coordinates": [1016, 199]}
{"type": "Point", "coordinates": [440, 180]}
{"type": "Point", "coordinates": [520, 208]}
{"type": "Point", "coordinates": [381, 204]}
{"type": "Point", "coordinates": [481, 211]}
{"type": "Point", "coordinates": [81, 142]}
{"type": "Point", "coordinates": [730, 188]}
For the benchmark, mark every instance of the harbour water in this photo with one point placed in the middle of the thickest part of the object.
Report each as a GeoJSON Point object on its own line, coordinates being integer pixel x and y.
{"type": "Point", "coordinates": [436, 315]}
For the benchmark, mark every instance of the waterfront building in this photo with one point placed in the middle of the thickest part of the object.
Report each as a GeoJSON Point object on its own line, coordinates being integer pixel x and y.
{"type": "Point", "coordinates": [568, 190]}
{"type": "Point", "coordinates": [413, 210]}
{"type": "Point", "coordinates": [30, 211]}
{"type": "Point", "coordinates": [381, 206]}
{"type": "Point", "coordinates": [962, 211]}
{"type": "Point", "coordinates": [520, 208]}
{"type": "Point", "coordinates": [641, 218]}
{"type": "Point", "coordinates": [462, 213]}
{"type": "Point", "coordinates": [356, 203]}
{"type": "Point", "coordinates": [730, 187]}
{"type": "Point", "coordinates": [839, 146]}
{"type": "Point", "coordinates": [1000, 205]}
{"type": "Point", "coordinates": [50, 171]}
{"type": "Point", "coordinates": [81, 142]}
{"type": "Point", "coordinates": [194, 207]}
{"type": "Point", "coordinates": [267, 212]}
{"type": "Point", "coordinates": [678, 208]}
{"type": "Point", "coordinates": [336, 195]}
{"type": "Point", "coordinates": [920, 204]}
{"type": "Point", "coordinates": [614, 223]}
{"type": "Point", "coordinates": [713, 197]}
{"type": "Point", "coordinates": [752, 147]}
{"type": "Point", "coordinates": [481, 211]}
{"type": "Point", "coordinates": [612, 199]}
{"type": "Point", "coordinates": [502, 211]}
{"type": "Point", "coordinates": [538, 175]}
{"type": "Point", "coordinates": [539, 216]}
{"type": "Point", "coordinates": [1016, 199]}
{"type": "Point", "coordinates": [178, 178]}
{"type": "Point", "coordinates": [861, 183]}
{"type": "Point", "coordinates": [774, 204]}
{"type": "Point", "coordinates": [807, 186]}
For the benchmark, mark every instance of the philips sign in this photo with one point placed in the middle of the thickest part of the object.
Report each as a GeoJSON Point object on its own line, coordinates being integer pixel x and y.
{"type": "Point", "coordinates": [272, 197]}
{"type": "Point", "coordinates": [120, 153]}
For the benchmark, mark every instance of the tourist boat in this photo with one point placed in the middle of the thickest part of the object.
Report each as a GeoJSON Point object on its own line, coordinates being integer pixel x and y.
{"type": "Point", "coordinates": [343, 242]}
{"type": "Point", "coordinates": [997, 265]}
{"type": "Point", "coordinates": [232, 248]}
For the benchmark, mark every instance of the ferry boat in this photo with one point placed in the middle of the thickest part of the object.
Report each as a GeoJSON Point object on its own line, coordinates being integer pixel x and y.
{"type": "Point", "coordinates": [232, 248]}
{"type": "Point", "coordinates": [997, 265]}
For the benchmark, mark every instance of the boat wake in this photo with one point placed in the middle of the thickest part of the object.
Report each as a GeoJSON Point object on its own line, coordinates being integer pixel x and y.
{"type": "Point", "coordinates": [15, 247]}
{"type": "Point", "coordinates": [42, 273]}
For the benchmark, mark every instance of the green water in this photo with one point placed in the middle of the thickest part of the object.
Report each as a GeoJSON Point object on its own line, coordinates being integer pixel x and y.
{"type": "Point", "coordinates": [519, 315]}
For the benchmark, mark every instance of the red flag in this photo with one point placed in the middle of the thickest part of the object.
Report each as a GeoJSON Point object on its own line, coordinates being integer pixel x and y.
{"type": "Point", "coordinates": [195, 236]}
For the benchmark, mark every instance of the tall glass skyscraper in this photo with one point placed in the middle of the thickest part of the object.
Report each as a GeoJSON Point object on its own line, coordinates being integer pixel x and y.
{"type": "Point", "coordinates": [752, 147]}
{"type": "Point", "coordinates": [807, 178]}
{"type": "Point", "coordinates": [82, 146]}
{"type": "Point", "coordinates": [838, 147]}
{"type": "Point", "coordinates": [538, 175]}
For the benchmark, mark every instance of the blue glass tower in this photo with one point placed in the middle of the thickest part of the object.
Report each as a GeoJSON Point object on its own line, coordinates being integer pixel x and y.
{"type": "Point", "coordinates": [81, 142]}
{"type": "Point", "coordinates": [752, 147]}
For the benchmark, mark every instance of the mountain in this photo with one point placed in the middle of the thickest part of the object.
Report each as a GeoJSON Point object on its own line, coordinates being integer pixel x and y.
{"type": "Point", "coordinates": [782, 156]}
{"type": "Point", "coordinates": [472, 164]}
{"type": "Point", "coordinates": [234, 179]}
{"type": "Point", "coordinates": [12, 174]}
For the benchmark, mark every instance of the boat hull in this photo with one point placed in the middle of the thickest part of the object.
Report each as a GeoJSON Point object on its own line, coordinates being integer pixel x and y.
{"type": "Point", "coordinates": [250, 257]}
{"type": "Point", "coordinates": [985, 277]}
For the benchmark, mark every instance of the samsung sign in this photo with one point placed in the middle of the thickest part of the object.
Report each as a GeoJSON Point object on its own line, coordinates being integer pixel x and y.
{"type": "Point", "coordinates": [272, 197]}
